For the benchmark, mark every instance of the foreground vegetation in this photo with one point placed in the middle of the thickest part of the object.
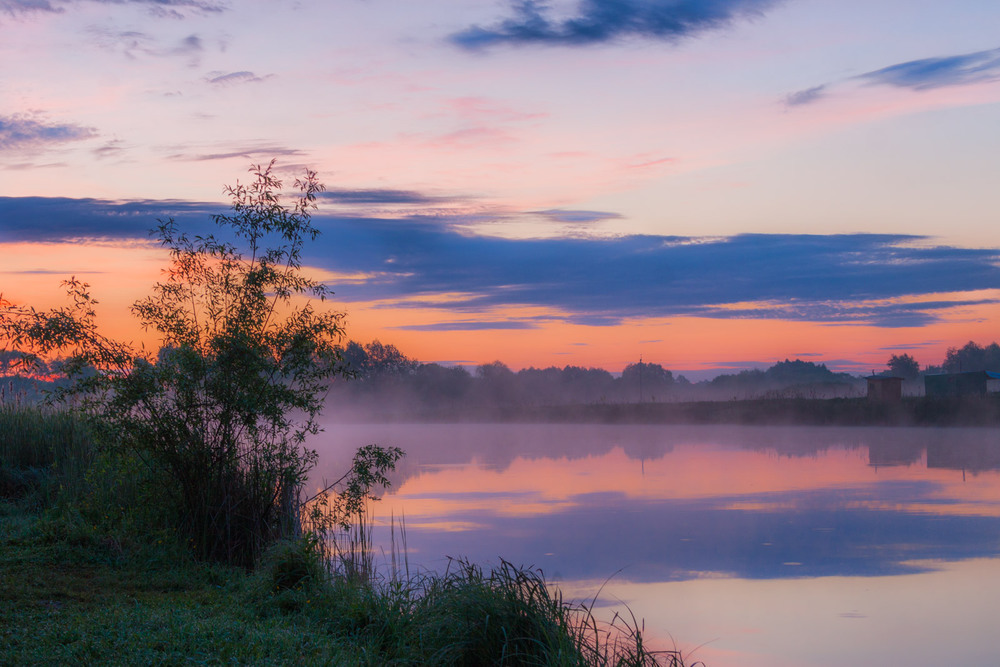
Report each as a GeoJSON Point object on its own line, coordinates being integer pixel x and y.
{"type": "Point", "coordinates": [91, 572]}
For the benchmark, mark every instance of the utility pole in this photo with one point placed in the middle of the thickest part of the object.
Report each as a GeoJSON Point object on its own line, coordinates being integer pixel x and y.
{"type": "Point", "coordinates": [640, 378]}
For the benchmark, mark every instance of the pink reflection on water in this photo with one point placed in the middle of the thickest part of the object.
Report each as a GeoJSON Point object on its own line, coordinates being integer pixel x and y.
{"type": "Point", "coordinates": [744, 546]}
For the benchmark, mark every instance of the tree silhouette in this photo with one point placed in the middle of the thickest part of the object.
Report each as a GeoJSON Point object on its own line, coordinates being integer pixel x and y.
{"type": "Point", "coordinates": [904, 366]}
{"type": "Point", "coordinates": [224, 406]}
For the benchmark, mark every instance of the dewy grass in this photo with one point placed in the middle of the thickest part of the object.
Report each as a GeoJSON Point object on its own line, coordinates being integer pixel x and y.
{"type": "Point", "coordinates": [72, 595]}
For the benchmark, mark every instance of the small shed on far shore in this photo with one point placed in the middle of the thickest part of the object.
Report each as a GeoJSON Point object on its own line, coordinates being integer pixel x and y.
{"type": "Point", "coordinates": [885, 388]}
{"type": "Point", "coordinates": [973, 383]}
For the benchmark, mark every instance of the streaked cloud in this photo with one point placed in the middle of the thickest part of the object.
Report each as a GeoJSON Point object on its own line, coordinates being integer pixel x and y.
{"type": "Point", "coordinates": [379, 196]}
{"type": "Point", "coordinates": [111, 148]}
{"type": "Point", "coordinates": [22, 132]}
{"type": "Point", "coordinates": [577, 217]}
{"type": "Point", "coordinates": [165, 8]}
{"type": "Point", "coordinates": [190, 45]}
{"type": "Point", "coordinates": [259, 152]}
{"type": "Point", "coordinates": [487, 110]}
{"type": "Point", "coordinates": [51, 272]}
{"type": "Point", "coordinates": [881, 314]}
{"type": "Point", "coordinates": [135, 43]}
{"type": "Point", "coordinates": [21, 166]}
{"type": "Point", "coordinates": [416, 262]}
{"type": "Point", "coordinates": [921, 74]}
{"type": "Point", "coordinates": [53, 219]}
{"type": "Point", "coordinates": [912, 346]}
{"type": "Point", "coordinates": [234, 78]}
{"type": "Point", "coordinates": [807, 96]}
{"type": "Point", "coordinates": [600, 21]}
{"type": "Point", "coordinates": [928, 73]}
{"type": "Point", "coordinates": [14, 7]}
{"type": "Point", "coordinates": [470, 325]}
{"type": "Point", "coordinates": [857, 278]}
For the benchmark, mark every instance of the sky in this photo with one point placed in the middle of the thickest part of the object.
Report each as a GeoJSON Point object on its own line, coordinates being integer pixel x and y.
{"type": "Point", "coordinates": [707, 184]}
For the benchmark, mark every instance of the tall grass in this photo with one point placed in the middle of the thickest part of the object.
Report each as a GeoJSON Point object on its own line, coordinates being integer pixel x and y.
{"type": "Point", "coordinates": [42, 448]}
{"type": "Point", "coordinates": [50, 459]}
{"type": "Point", "coordinates": [508, 615]}
{"type": "Point", "coordinates": [469, 615]}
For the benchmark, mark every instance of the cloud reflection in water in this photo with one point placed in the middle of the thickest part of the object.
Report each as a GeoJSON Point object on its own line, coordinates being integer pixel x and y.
{"type": "Point", "coordinates": [668, 504]}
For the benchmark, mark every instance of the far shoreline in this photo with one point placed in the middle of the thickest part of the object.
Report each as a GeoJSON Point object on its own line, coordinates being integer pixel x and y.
{"type": "Point", "coordinates": [908, 412]}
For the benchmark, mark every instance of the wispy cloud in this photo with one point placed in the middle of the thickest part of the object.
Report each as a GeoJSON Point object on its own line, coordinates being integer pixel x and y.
{"type": "Point", "coordinates": [163, 8]}
{"type": "Point", "coordinates": [577, 217]}
{"type": "Point", "coordinates": [470, 325]}
{"type": "Point", "coordinates": [600, 21]}
{"type": "Point", "coordinates": [379, 196]}
{"type": "Point", "coordinates": [21, 166]}
{"type": "Point", "coordinates": [922, 74]}
{"type": "Point", "coordinates": [928, 73]}
{"type": "Point", "coordinates": [112, 148]}
{"type": "Point", "coordinates": [418, 262]}
{"type": "Point", "coordinates": [190, 46]}
{"type": "Point", "coordinates": [134, 44]}
{"type": "Point", "coordinates": [877, 312]}
{"type": "Point", "coordinates": [129, 42]}
{"type": "Point", "coordinates": [248, 152]}
{"type": "Point", "coordinates": [486, 137]}
{"type": "Point", "coordinates": [26, 133]}
{"type": "Point", "coordinates": [487, 110]}
{"type": "Point", "coordinates": [15, 7]}
{"type": "Point", "coordinates": [807, 96]}
{"type": "Point", "coordinates": [234, 78]}
{"type": "Point", "coordinates": [912, 346]}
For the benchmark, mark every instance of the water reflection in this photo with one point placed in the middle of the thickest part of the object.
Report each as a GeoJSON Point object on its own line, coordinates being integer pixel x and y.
{"type": "Point", "coordinates": [674, 503]}
{"type": "Point", "coordinates": [777, 546]}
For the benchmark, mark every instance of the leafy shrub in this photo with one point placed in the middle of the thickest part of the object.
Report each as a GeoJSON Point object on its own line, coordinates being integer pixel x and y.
{"type": "Point", "coordinates": [224, 407]}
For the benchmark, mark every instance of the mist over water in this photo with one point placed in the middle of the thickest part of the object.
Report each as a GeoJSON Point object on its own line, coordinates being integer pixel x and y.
{"type": "Point", "coordinates": [690, 520]}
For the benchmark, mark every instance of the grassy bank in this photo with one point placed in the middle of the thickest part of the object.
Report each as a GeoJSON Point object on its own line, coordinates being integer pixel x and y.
{"type": "Point", "coordinates": [88, 575]}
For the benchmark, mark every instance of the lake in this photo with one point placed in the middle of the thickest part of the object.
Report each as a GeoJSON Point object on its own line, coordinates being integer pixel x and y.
{"type": "Point", "coordinates": [776, 546]}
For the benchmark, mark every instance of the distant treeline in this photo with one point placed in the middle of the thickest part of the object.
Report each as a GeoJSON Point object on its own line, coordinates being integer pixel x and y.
{"type": "Point", "coordinates": [383, 375]}
{"type": "Point", "coordinates": [971, 357]}
{"type": "Point", "coordinates": [16, 385]}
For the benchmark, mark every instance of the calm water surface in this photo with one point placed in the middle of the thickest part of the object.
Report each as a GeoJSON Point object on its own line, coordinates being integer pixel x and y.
{"type": "Point", "coordinates": [746, 546]}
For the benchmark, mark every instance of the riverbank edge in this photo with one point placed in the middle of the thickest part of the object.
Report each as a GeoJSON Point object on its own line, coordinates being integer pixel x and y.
{"type": "Point", "coordinates": [75, 594]}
